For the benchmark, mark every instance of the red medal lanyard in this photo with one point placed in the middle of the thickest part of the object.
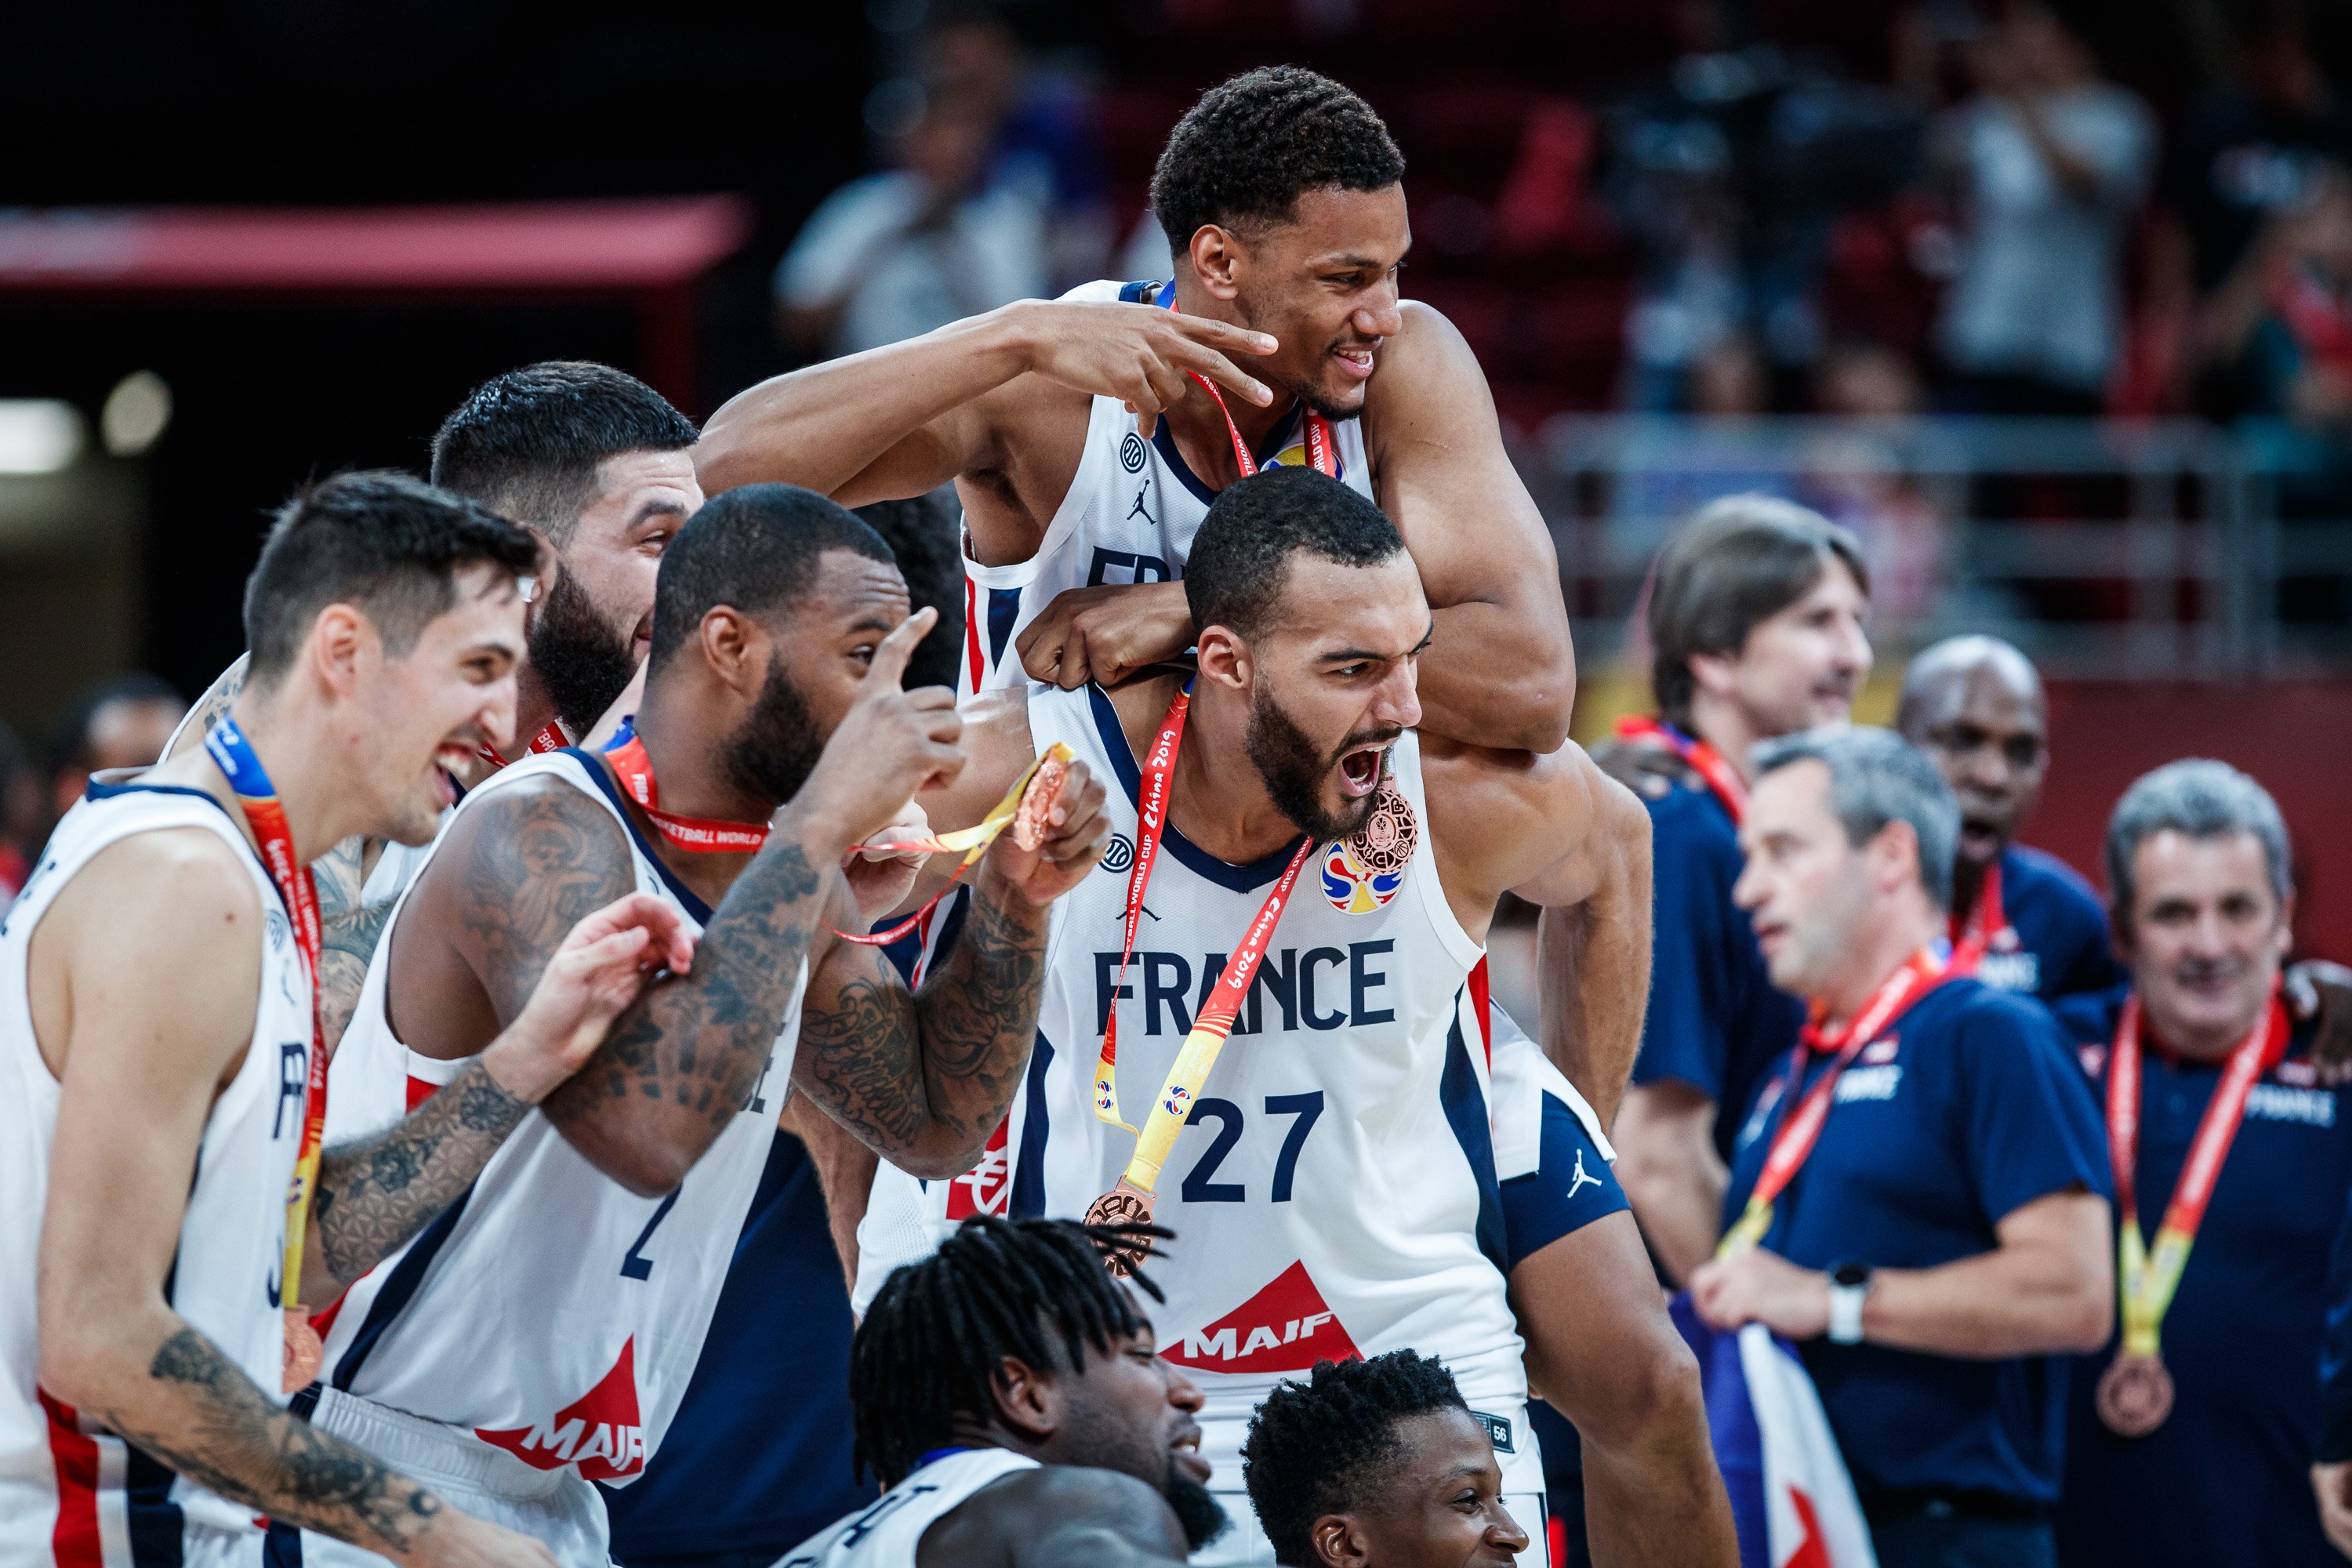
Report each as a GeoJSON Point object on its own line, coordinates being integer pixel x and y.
{"type": "Point", "coordinates": [1217, 1013]}
{"type": "Point", "coordinates": [551, 738]}
{"type": "Point", "coordinates": [1321, 451]}
{"type": "Point", "coordinates": [1794, 1143]}
{"type": "Point", "coordinates": [1973, 939]}
{"type": "Point", "coordinates": [2255, 1055]}
{"type": "Point", "coordinates": [266, 815]}
{"type": "Point", "coordinates": [1705, 760]}
{"type": "Point", "coordinates": [702, 835]}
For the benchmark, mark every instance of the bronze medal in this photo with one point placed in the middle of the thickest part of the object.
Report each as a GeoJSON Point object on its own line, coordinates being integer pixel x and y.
{"type": "Point", "coordinates": [2135, 1395]}
{"type": "Point", "coordinates": [305, 1352]}
{"type": "Point", "coordinates": [1123, 1205]}
{"type": "Point", "coordinates": [1386, 841]}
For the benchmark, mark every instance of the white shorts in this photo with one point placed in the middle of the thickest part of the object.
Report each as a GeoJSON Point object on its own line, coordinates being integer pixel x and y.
{"type": "Point", "coordinates": [1246, 1542]}
{"type": "Point", "coordinates": [554, 1507]}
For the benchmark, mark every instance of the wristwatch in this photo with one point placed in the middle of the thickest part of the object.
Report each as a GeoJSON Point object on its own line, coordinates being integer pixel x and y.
{"type": "Point", "coordinates": [1848, 1283]}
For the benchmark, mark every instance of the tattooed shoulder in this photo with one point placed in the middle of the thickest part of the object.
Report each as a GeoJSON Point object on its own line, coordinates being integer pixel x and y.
{"type": "Point", "coordinates": [520, 870]}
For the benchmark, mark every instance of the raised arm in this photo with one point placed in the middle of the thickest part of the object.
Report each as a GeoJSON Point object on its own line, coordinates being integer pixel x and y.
{"type": "Point", "coordinates": [153, 1056]}
{"type": "Point", "coordinates": [906, 419]}
{"type": "Point", "coordinates": [376, 1191]}
{"type": "Point", "coordinates": [1501, 671]}
{"type": "Point", "coordinates": [683, 1059]}
{"type": "Point", "coordinates": [922, 1079]}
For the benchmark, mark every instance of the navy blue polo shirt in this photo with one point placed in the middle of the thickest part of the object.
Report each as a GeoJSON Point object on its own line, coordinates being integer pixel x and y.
{"type": "Point", "coordinates": [2224, 1479]}
{"type": "Point", "coordinates": [2061, 946]}
{"type": "Point", "coordinates": [1715, 1022]}
{"type": "Point", "coordinates": [1971, 1107]}
{"type": "Point", "coordinates": [2335, 1353]}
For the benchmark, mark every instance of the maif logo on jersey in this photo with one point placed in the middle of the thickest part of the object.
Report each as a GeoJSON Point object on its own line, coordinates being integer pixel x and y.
{"type": "Point", "coordinates": [1286, 1327]}
{"type": "Point", "coordinates": [600, 1431]}
{"type": "Point", "coordinates": [1352, 889]}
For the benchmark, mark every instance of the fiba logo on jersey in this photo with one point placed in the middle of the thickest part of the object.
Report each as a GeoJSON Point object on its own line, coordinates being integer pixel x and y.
{"type": "Point", "coordinates": [1131, 453]}
{"type": "Point", "coordinates": [1351, 887]}
{"type": "Point", "coordinates": [1118, 854]}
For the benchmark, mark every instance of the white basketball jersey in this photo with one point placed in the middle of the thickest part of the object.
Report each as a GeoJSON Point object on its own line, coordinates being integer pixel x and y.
{"type": "Point", "coordinates": [1334, 1191]}
{"type": "Point", "coordinates": [886, 1533]}
{"type": "Point", "coordinates": [69, 1492]}
{"type": "Point", "coordinates": [1129, 516]}
{"type": "Point", "coordinates": [549, 1311]}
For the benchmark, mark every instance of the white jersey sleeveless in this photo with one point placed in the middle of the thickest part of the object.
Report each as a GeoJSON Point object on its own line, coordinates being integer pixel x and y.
{"type": "Point", "coordinates": [887, 1532]}
{"type": "Point", "coordinates": [69, 1492]}
{"type": "Point", "coordinates": [1129, 516]}
{"type": "Point", "coordinates": [550, 1312]}
{"type": "Point", "coordinates": [1334, 1191]}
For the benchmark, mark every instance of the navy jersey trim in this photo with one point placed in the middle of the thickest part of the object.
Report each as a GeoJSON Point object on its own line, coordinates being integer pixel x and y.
{"type": "Point", "coordinates": [1246, 879]}
{"type": "Point", "coordinates": [1542, 1207]}
{"type": "Point", "coordinates": [157, 1527]}
{"type": "Point", "coordinates": [96, 791]}
{"type": "Point", "coordinates": [1004, 609]}
{"type": "Point", "coordinates": [684, 895]}
{"type": "Point", "coordinates": [1145, 291]}
{"type": "Point", "coordinates": [400, 1290]}
{"type": "Point", "coordinates": [1028, 1199]}
{"type": "Point", "coordinates": [1465, 1113]}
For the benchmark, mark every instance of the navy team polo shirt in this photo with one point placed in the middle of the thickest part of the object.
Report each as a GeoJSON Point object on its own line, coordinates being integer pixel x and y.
{"type": "Point", "coordinates": [2335, 1353]}
{"type": "Point", "coordinates": [2225, 1479]}
{"type": "Point", "coordinates": [2061, 948]}
{"type": "Point", "coordinates": [1715, 1022]}
{"type": "Point", "coordinates": [1970, 1107]}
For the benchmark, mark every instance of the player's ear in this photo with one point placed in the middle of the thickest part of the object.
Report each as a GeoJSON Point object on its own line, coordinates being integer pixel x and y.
{"type": "Point", "coordinates": [732, 646]}
{"type": "Point", "coordinates": [340, 639]}
{"type": "Point", "coordinates": [1224, 658]}
{"type": "Point", "coordinates": [1339, 1541]}
{"type": "Point", "coordinates": [1027, 1403]}
{"type": "Point", "coordinates": [1214, 254]}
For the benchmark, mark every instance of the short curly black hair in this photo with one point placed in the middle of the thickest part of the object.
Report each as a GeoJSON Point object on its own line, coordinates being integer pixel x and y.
{"type": "Point", "coordinates": [1252, 146]}
{"type": "Point", "coordinates": [1318, 1447]}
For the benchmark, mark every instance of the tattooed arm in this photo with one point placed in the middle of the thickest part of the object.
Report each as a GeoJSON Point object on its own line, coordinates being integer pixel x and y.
{"type": "Point", "coordinates": [923, 1079]}
{"type": "Point", "coordinates": [376, 1192]}
{"type": "Point", "coordinates": [153, 1057]}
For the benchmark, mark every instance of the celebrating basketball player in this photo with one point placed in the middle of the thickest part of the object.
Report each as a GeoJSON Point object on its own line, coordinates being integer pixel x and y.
{"type": "Point", "coordinates": [1295, 865]}
{"type": "Point", "coordinates": [1087, 436]}
{"type": "Point", "coordinates": [594, 462]}
{"type": "Point", "coordinates": [165, 1077]}
{"type": "Point", "coordinates": [1006, 1390]}
{"type": "Point", "coordinates": [779, 632]}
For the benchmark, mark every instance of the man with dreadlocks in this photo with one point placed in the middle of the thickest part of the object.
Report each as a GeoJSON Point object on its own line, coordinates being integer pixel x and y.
{"type": "Point", "coordinates": [1377, 1464]}
{"type": "Point", "coordinates": [1009, 1394]}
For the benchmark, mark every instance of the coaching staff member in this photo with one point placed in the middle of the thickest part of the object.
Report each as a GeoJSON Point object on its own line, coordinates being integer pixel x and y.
{"type": "Point", "coordinates": [2191, 1432]}
{"type": "Point", "coordinates": [1920, 1196]}
{"type": "Point", "coordinates": [1756, 620]}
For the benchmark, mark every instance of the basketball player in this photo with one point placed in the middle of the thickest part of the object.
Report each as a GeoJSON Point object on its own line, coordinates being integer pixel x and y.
{"type": "Point", "coordinates": [779, 632]}
{"type": "Point", "coordinates": [1377, 1464]}
{"type": "Point", "coordinates": [157, 1016]}
{"type": "Point", "coordinates": [1756, 629]}
{"type": "Point", "coordinates": [595, 463]}
{"type": "Point", "coordinates": [1336, 1193]}
{"type": "Point", "coordinates": [1007, 1392]}
{"type": "Point", "coordinates": [1085, 451]}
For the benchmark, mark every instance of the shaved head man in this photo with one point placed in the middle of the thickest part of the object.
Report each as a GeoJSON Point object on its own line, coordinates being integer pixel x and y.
{"type": "Point", "coordinates": [1976, 707]}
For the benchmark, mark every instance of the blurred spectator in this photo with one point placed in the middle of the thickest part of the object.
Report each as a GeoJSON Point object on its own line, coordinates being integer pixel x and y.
{"type": "Point", "coordinates": [1046, 148]}
{"type": "Point", "coordinates": [2258, 147]}
{"type": "Point", "coordinates": [1728, 381]}
{"type": "Point", "coordinates": [20, 815]}
{"type": "Point", "coordinates": [122, 722]}
{"type": "Point", "coordinates": [1856, 478]}
{"type": "Point", "coordinates": [2053, 162]}
{"type": "Point", "coordinates": [926, 533]}
{"type": "Point", "coordinates": [893, 254]}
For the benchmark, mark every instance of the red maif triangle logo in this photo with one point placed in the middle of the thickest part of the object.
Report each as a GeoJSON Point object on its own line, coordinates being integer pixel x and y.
{"type": "Point", "coordinates": [598, 1432]}
{"type": "Point", "coordinates": [1284, 1327]}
